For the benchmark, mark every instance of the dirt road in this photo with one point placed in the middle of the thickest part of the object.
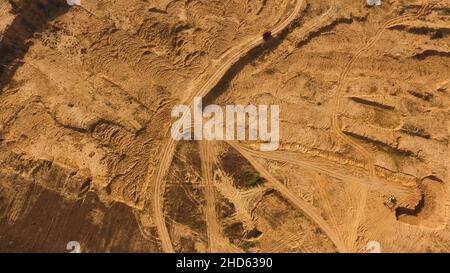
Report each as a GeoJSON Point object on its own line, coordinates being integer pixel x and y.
{"type": "Point", "coordinates": [170, 145]}
{"type": "Point", "coordinates": [207, 158]}
{"type": "Point", "coordinates": [342, 78]}
{"type": "Point", "coordinates": [337, 106]}
{"type": "Point", "coordinates": [306, 208]}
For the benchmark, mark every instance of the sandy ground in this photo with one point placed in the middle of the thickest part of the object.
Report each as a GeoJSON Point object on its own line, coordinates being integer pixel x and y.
{"type": "Point", "coordinates": [86, 155]}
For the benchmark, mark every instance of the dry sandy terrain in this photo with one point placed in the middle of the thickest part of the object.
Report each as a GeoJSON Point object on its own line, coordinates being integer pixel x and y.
{"type": "Point", "coordinates": [86, 155]}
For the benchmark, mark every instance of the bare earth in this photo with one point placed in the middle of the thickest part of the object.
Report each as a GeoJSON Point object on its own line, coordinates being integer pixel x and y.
{"type": "Point", "coordinates": [86, 94]}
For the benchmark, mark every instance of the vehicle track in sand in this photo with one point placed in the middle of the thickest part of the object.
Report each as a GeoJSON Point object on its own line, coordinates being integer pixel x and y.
{"type": "Point", "coordinates": [372, 183]}
{"type": "Point", "coordinates": [369, 183]}
{"type": "Point", "coordinates": [207, 157]}
{"type": "Point", "coordinates": [337, 105]}
{"type": "Point", "coordinates": [343, 76]}
{"type": "Point", "coordinates": [306, 208]}
{"type": "Point", "coordinates": [321, 182]}
{"type": "Point", "coordinates": [169, 148]}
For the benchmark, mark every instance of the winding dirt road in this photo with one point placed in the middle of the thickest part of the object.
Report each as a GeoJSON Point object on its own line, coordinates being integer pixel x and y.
{"type": "Point", "coordinates": [169, 148]}
{"type": "Point", "coordinates": [337, 105]}
{"type": "Point", "coordinates": [342, 78]}
{"type": "Point", "coordinates": [236, 54]}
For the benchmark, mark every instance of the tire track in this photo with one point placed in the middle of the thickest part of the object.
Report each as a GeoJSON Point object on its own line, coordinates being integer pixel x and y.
{"type": "Point", "coordinates": [207, 157]}
{"type": "Point", "coordinates": [337, 105]}
{"type": "Point", "coordinates": [342, 78]}
{"type": "Point", "coordinates": [169, 148]}
{"type": "Point", "coordinates": [307, 209]}
{"type": "Point", "coordinates": [289, 157]}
